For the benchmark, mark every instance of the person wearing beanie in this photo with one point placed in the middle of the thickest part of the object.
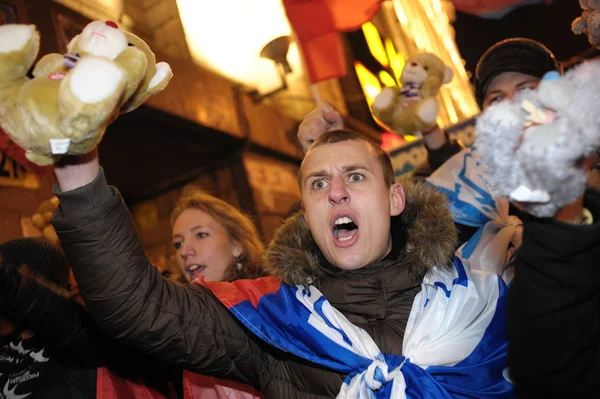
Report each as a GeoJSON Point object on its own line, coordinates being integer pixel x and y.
{"type": "Point", "coordinates": [502, 71]}
{"type": "Point", "coordinates": [509, 66]}
{"type": "Point", "coordinates": [51, 348]}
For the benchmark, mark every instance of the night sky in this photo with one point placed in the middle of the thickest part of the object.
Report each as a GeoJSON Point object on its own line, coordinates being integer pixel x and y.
{"type": "Point", "coordinates": [549, 24]}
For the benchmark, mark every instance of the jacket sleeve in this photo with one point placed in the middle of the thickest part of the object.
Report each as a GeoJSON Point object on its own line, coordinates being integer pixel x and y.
{"type": "Point", "coordinates": [554, 309]}
{"type": "Point", "coordinates": [183, 325]}
{"type": "Point", "coordinates": [437, 157]}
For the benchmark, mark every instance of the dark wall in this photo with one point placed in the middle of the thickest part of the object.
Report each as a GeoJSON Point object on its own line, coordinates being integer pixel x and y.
{"type": "Point", "coordinates": [549, 24]}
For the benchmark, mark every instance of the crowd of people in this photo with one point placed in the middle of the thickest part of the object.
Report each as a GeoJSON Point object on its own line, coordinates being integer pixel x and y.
{"type": "Point", "coordinates": [369, 261]}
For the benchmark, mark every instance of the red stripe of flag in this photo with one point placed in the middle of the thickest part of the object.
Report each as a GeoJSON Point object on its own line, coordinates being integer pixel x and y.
{"type": "Point", "coordinates": [232, 294]}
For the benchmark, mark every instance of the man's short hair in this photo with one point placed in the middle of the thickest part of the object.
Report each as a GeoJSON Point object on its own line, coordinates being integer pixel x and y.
{"type": "Point", "coordinates": [341, 135]}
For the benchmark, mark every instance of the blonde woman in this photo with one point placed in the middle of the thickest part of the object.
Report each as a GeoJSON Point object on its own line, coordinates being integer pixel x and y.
{"type": "Point", "coordinates": [216, 241]}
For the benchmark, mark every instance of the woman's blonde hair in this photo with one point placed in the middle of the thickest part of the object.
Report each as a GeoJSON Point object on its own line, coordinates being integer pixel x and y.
{"type": "Point", "coordinates": [237, 225]}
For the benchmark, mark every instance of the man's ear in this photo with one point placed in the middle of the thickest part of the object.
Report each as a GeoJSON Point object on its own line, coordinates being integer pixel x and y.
{"type": "Point", "coordinates": [397, 199]}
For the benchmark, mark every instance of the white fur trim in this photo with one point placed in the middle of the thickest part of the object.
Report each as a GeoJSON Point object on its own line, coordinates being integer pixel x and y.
{"type": "Point", "coordinates": [94, 79]}
{"type": "Point", "coordinates": [162, 71]}
{"type": "Point", "coordinates": [14, 37]}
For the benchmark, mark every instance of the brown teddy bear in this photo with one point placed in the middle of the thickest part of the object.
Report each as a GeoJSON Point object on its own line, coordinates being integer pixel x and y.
{"type": "Point", "coordinates": [589, 21]}
{"type": "Point", "coordinates": [413, 108]}
{"type": "Point", "coordinates": [67, 105]}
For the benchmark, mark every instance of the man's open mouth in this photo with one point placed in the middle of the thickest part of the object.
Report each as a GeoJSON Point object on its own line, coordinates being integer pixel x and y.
{"type": "Point", "coordinates": [344, 228]}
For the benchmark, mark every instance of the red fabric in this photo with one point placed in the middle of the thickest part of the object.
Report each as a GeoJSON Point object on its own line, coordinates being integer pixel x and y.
{"type": "Point", "coordinates": [13, 151]}
{"type": "Point", "coordinates": [111, 386]}
{"type": "Point", "coordinates": [196, 386]}
{"type": "Point", "coordinates": [239, 291]}
{"type": "Point", "coordinates": [317, 23]}
{"type": "Point", "coordinates": [483, 7]}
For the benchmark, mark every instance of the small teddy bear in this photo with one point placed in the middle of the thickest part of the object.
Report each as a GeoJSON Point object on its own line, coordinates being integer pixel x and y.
{"type": "Point", "coordinates": [589, 21]}
{"type": "Point", "coordinates": [413, 108]}
{"type": "Point", "coordinates": [67, 105]}
{"type": "Point", "coordinates": [532, 147]}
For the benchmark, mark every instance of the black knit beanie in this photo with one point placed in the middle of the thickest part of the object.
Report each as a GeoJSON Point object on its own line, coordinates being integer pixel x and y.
{"type": "Point", "coordinates": [40, 255]}
{"type": "Point", "coordinates": [513, 55]}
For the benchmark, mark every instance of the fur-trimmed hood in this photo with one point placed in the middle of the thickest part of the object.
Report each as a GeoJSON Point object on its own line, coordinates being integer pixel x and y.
{"type": "Point", "coordinates": [293, 255]}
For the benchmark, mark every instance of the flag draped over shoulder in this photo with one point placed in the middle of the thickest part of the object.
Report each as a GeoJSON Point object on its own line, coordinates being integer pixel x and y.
{"type": "Point", "coordinates": [473, 203]}
{"type": "Point", "coordinates": [454, 344]}
{"type": "Point", "coordinates": [316, 24]}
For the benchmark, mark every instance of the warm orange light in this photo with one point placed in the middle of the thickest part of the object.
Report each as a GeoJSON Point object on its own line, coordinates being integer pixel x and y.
{"type": "Point", "coordinates": [375, 44]}
{"type": "Point", "coordinates": [396, 59]}
{"type": "Point", "coordinates": [227, 36]}
{"type": "Point", "coordinates": [387, 79]}
{"type": "Point", "coordinates": [368, 81]}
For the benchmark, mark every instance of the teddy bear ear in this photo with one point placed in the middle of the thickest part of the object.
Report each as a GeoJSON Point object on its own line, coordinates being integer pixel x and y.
{"type": "Point", "coordinates": [72, 43]}
{"type": "Point", "coordinates": [448, 74]}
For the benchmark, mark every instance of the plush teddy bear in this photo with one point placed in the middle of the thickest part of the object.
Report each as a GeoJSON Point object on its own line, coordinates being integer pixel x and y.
{"type": "Point", "coordinates": [413, 107]}
{"type": "Point", "coordinates": [532, 147]}
{"type": "Point", "coordinates": [589, 21]}
{"type": "Point", "coordinates": [67, 105]}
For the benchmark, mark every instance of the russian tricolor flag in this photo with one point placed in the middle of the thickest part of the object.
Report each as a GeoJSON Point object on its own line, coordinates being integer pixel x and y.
{"type": "Point", "coordinates": [454, 345]}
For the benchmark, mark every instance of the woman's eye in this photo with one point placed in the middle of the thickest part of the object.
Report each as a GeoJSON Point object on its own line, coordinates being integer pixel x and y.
{"type": "Point", "coordinates": [177, 245]}
{"type": "Point", "coordinates": [202, 235]}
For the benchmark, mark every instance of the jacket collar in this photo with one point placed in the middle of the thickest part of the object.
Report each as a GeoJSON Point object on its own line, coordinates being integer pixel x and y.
{"type": "Point", "coordinates": [426, 224]}
{"type": "Point", "coordinates": [423, 236]}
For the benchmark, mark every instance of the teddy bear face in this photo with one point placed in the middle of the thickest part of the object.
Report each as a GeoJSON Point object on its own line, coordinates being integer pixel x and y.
{"type": "Point", "coordinates": [423, 66]}
{"type": "Point", "coordinates": [103, 38]}
{"type": "Point", "coordinates": [413, 72]}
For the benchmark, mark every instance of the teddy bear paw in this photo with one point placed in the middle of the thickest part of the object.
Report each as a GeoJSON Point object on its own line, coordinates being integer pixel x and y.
{"type": "Point", "coordinates": [39, 159]}
{"type": "Point", "coordinates": [428, 111]}
{"type": "Point", "coordinates": [94, 79]}
{"type": "Point", "coordinates": [163, 70]}
{"type": "Point", "coordinates": [384, 99]}
{"type": "Point", "coordinates": [15, 37]}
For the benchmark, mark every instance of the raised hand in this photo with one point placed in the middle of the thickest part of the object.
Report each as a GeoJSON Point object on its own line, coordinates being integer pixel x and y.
{"type": "Point", "coordinates": [322, 119]}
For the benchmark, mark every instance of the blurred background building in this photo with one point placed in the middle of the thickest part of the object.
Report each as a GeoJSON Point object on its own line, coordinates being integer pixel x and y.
{"type": "Point", "coordinates": [244, 76]}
